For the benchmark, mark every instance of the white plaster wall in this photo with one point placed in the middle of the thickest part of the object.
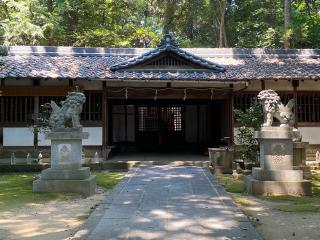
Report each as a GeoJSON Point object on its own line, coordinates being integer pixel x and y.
{"type": "Point", "coordinates": [310, 134]}
{"type": "Point", "coordinates": [42, 141]}
{"type": "Point", "coordinates": [17, 137]}
{"type": "Point", "coordinates": [95, 137]}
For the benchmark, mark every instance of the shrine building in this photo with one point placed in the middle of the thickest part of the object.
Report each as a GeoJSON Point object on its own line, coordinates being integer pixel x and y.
{"type": "Point", "coordinates": [160, 99]}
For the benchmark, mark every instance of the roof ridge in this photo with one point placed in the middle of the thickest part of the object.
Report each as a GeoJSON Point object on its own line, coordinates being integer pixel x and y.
{"type": "Point", "coordinates": [133, 52]}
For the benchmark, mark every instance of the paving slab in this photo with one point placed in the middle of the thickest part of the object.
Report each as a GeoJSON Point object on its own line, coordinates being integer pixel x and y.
{"type": "Point", "coordinates": [171, 202]}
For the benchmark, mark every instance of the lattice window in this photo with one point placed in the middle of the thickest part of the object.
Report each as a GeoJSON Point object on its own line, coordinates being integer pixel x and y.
{"type": "Point", "coordinates": [166, 118]}
{"type": "Point", "coordinates": [308, 107]}
{"type": "Point", "coordinates": [244, 101]}
{"type": "Point", "coordinates": [92, 108]}
{"type": "Point", "coordinates": [16, 109]}
{"type": "Point", "coordinates": [168, 61]}
{"type": "Point", "coordinates": [308, 104]}
{"type": "Point", "coordinates": [148, 119]}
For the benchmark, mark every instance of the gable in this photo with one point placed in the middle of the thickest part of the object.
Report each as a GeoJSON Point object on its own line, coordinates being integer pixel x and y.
{"type": "Point", "coordinates": [168, 61]}
{"type": "Point", "coordinates": [168, 56]}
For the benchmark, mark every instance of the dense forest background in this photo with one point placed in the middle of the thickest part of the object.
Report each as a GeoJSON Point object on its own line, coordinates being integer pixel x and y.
{"type": "Point", "coordinates": [140, 23]}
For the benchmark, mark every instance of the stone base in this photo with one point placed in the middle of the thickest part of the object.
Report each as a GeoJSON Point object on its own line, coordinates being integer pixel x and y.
{"type": "Point", "coordinates": [306, 171]}
{"type": "Point", "coordinates": [65, 174]}
{"type": "Point", "coordinates": [86, 187]}
{"type": "Point", "coordinates": [296, 188]}
{"type": "Point", "coordinates": [275, 175]}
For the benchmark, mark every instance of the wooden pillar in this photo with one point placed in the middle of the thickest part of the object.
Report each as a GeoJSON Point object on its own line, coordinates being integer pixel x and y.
{"type": "Point", "coordinates": [227, 115]}
{"type": "Point", "coordinates": [263, 85]}
{"type": "Point", "coordinates": [105, 122]}
{"type": "Point", "coordinates": [36, 115]}
{"type": "Point", "coordinates": [71, 82]}
{"type": "Point", "coordinates": [230, 113]}
{"type": "Point", "coordinates": [1, 116]}
{"type": "Point", "coordinates": [295, 84]}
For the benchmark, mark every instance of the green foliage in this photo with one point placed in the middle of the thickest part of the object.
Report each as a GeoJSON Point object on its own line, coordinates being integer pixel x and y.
{"type": "Point", "coordinates": [108, 180]}
{"type": "Point", "coordinates": [140, 23]}
{"type": "Point", "coordinates": [230, 183]}
{"type": "Point", "coordinates": [42, 121]}
{"type": "Point", "coordinates": [253, 23]}
{"type": "Point", "coordinates": [249, 121]}
{"type": "Point", "coordinates": [16, 190]}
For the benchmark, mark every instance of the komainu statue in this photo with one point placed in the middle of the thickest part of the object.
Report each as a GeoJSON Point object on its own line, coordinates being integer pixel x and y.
{"type": "Point", "coordinates": [69, 111]}
{"type": "Point", "coordinates": [273, 108]}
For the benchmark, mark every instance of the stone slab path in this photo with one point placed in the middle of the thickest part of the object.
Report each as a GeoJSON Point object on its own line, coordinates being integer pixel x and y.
{"type": "Point", "coordinates": [165, 202]}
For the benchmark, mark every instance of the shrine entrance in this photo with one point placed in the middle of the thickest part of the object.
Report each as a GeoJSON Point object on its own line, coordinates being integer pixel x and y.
{"type": "Point", "coordinates": [160, 126]}
{"type": "Point", "coordinates": [168, 125]}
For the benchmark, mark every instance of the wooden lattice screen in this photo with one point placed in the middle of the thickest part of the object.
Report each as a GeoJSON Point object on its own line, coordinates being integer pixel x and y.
{"type": "Point", "coordinates": [153, 118]}
{"type": "Point", "coordinates": [16, 109]}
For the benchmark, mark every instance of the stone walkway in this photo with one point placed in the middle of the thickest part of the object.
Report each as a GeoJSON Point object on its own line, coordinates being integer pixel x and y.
{"type": "Point", "coordinates": [165, 202]}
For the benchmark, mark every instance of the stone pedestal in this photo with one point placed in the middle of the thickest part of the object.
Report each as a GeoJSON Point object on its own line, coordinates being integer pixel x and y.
{"type": "Point", "coordinates": [221, 159]}
{"type": "Point", "coordinates": [276, 174]}
{"type": "Point", "coordinates": [299, 159]}
{"type": "Point", "coordinates": [66, 173]}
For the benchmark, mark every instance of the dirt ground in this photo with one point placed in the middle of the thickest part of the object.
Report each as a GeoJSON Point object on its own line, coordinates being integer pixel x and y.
{"type": "Point", "coordinates": [53, 220]}
{"type": "Point", "coordinates": [273, 224]}
{"type": "Point", "coordinates": [59, 220]}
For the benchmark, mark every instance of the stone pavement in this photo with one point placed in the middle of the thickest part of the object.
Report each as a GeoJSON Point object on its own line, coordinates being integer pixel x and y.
{"type": "Point", "coordinates": [165, 202]}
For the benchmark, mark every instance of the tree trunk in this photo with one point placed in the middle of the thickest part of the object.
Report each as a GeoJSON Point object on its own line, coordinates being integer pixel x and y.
{"type": "Point", "coordinates": [169, 15]}
{"type": "Point", "coordinates": [287, 23]}
{"type": "Point", "coordinates": [222, 29]}
{"type": "Point", "coordinates": [50, 6]}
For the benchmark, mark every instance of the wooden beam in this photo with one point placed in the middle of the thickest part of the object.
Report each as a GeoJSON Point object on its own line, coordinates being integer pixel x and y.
{"type": "Point", "coordinates": [105, 122]}
{"type": "Point", "coordinates": [167, 93]}
{"type": "Point", "coordinates": [35, 90]}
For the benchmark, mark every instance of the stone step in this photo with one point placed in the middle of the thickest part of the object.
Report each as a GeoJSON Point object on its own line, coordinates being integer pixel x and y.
{"type": "Point", "coordinates": [126, 165]}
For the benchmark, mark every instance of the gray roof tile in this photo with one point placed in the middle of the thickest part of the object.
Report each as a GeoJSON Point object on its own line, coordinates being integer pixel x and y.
{"type": "Point", "coordinates": [248, 67]}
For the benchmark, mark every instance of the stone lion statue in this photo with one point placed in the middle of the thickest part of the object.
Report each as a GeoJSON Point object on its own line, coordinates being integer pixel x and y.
{"type": "Point", "coordinates": [69, 111]}
{"type": "Point", "coordinates": [274, 108]}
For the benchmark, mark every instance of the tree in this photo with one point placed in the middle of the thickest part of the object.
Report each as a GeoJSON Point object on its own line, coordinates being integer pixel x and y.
{"type": "Point", "coordinates": [221, 6]}
{"type": "Point", "coordinates": [287, 24]}
{"type": "Point", "coordinates": [24, 22]}
{"type": "Point", "coordinates": [140, 23]}
{"type": "Point", "coordinates": [249, 120]}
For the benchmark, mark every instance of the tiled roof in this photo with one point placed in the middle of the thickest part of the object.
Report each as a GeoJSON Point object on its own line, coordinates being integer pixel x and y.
{"type": "Point", "coordinates": [94, 64]}
{"type": "Point", "coordinates": [168, 44]}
